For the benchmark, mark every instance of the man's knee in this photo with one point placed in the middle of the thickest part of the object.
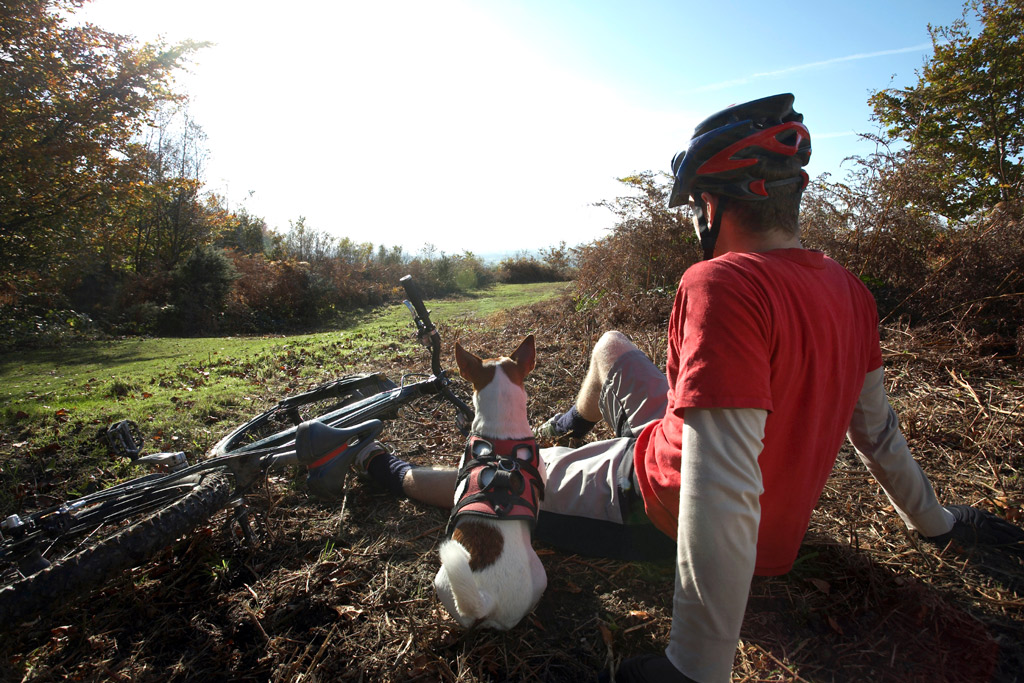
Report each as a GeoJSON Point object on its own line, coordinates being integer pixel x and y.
{"type": "Point", "coordinates": [609, 348]}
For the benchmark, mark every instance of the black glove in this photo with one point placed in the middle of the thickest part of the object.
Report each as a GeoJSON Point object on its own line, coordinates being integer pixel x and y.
{"type": "Point", "coordinates": [646, 669]}
{"type": "Point", "coordinates": [978, 527]}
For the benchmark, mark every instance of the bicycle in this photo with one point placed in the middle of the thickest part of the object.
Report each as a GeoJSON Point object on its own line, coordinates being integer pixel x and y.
{"type": "Point", "coordinates": [53, 555]}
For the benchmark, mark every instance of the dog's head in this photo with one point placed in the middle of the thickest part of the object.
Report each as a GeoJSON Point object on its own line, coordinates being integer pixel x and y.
{"type": "Point", "coordinates": [480, 372]}
{"type": "Point", "coordinates": [499, 398]}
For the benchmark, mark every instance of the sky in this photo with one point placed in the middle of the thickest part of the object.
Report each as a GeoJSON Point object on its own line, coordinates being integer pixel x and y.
{"type": "Point", "coordinates": [495, 126]}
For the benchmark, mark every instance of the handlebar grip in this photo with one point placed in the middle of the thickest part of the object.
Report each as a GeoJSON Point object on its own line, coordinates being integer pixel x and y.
{"type": "Point", "coordinates": [415, 295]}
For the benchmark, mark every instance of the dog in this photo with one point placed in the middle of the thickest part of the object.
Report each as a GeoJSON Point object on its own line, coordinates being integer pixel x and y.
{"type": "Point", "coordinates": [490, 575]}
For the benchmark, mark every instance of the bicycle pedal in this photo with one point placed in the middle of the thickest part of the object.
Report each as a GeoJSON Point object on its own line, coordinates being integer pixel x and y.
{"type": "Point", "coordinates": [125, 439]}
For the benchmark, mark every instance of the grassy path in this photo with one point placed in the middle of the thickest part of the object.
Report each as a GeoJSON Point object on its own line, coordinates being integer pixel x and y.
{"type": "Point", "coordinates": [185, 392]}
{"type": "Point", "coordinates": [79, 375]}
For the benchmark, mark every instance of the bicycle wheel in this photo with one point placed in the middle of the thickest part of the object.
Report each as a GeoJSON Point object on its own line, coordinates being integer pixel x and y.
{"type": "Point", "coordinates": [188, 504]}
{"type": "Point", "coordinates": [334, 403]}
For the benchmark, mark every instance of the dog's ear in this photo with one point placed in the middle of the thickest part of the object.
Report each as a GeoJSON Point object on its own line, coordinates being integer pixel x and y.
{"type": "Point", "coordinates": [470, 365]}
{"type": "Point", "coordinates": [525, 356]}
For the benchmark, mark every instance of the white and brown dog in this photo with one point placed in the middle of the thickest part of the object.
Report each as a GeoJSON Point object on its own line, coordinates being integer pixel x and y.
{"type": "Point", "coordinates": [490, 575]}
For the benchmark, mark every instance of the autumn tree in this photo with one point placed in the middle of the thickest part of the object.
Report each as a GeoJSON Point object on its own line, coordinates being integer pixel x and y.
{"type": "Point", "coordinates": [169, 217]}
{"type": "Point", "coordinates": [962, 119]}
{"type": "Point", "coordinates": [72, 98]}
{"type": "Point", "coordinates": [245, 232]}
{"type": "Point", "coordinates": [305, 243]}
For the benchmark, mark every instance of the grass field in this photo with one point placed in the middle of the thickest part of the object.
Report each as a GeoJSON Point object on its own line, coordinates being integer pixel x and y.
{"type": "Point", "coordinates": [186, 391]}
{"type": "Point", "coordinates": [334, 596]}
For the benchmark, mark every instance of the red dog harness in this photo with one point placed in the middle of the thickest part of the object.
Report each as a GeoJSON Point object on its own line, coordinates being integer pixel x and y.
{"type": "Point", "coordinates": [502, 478]}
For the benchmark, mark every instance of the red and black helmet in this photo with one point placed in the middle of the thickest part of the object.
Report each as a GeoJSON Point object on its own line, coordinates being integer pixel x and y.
{"type": "Point", "coordinates": [744, 151]}
{"type": "Point", "coordinates": [741, 152]}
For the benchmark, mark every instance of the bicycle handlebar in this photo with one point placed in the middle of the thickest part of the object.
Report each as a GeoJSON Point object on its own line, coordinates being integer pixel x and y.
{"type": "Point", "coordinates": [426, 332]}
{"type": "Point", "coordinates": [415, 294]}
{"type": "Point", "coordinates": [428, 335]}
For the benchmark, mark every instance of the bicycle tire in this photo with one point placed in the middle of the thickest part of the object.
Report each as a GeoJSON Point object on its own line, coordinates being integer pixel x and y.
{"type": "Point", "coordinates": [75, 576]}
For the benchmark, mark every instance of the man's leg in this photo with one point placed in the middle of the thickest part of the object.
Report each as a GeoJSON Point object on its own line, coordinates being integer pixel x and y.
{"type": "Point", "coordinates": [433, 486]}
{"type": "Point", "coordinates": [586, 412]}
{"type": "Point", "coordinates": [436, 486]}
{"type": "Point", "coordinates": [592, 505]}
{"type": "Point", "coordinates": [430, 485]}
{"type": "Point", "coordinates": [609, 348]}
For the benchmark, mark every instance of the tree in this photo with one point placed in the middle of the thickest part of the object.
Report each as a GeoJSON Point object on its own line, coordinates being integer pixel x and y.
{"type": "Point", "coordinates": [171, 219]}
{"type": "Point", "coordinates": [962, 120]}
{"type": "Point", "coordinates": [305, 243]}
{"type": "Point", "coordinates": [71, 100]}
{"type": "Point", "coordinates": [245, 232]}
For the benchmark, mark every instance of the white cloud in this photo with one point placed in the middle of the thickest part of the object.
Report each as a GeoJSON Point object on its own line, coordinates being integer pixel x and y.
{"type": "Point", "coordinates": [829, 136]}
{"type": "Point", "coordinates": [721, 85]}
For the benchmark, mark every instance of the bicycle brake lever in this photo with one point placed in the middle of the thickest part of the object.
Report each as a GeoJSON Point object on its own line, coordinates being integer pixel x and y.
{"type": "Point", "coordinates": [462, 422]}
{"type": "Point", "coordinates": [424, 332]}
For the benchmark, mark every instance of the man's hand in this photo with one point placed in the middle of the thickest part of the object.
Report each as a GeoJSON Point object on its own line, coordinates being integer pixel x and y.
{"type": "Point", "coordinates": [978, 527]}
{"type": "Point", "coordinates": [646, 669]}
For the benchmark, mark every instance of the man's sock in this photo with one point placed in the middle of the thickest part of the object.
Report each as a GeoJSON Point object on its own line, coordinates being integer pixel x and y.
{"type": "Point", "coordinates": [573, 424]}
{"type": "Point", "coordinates": [388, 470]}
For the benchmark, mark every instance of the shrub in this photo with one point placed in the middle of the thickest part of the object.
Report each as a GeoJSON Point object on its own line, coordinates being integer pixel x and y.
{"type": "Point", "coordinates": [524, 268]}
{"type": "Point", "coordinates": [919, 265]}
{"type": "Point", "coordinates": [199, 291]}
{"type": "Point", "coordinates": [633, 273]}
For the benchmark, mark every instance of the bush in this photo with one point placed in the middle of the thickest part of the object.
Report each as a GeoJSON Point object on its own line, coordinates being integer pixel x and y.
{"type": "Point", "coordinates": [439, 274]}
{"type": "Point", "coordinates": [523, 268]}
{"type": "Point", "coordinates": [633, 273]}
{"type": "Point", "coordinates": [199, 292]}
{"type": "Point", "coordinates": [921, 266]}
{"type": "Point", "coordinates": [33, 321]}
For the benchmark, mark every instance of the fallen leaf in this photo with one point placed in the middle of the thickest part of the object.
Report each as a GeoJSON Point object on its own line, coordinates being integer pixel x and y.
{"type": "Point", "coordinates": [606, 635]}
{"type": "Point", "coordinates": [349, 612]}
{"type": "Point", "coordinates": [48, 448]}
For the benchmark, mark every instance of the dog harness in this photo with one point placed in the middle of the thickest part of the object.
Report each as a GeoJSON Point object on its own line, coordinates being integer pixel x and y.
{"type": "Point", "coordinates": [502, 479]}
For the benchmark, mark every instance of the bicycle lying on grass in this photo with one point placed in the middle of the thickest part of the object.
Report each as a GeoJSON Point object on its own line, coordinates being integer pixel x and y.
{"type": "Point", "coordinates": [66, 550]}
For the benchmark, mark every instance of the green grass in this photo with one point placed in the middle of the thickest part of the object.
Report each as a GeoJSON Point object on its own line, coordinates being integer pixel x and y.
{"type": "Point", "coordinates": [186, 393]}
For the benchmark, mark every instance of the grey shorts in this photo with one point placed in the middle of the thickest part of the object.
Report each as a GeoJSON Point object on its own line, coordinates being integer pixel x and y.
{"type": "Point", "coordinates": [591, 504]}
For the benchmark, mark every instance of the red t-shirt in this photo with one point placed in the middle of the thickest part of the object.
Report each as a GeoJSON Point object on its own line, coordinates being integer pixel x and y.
{"type": "Point", "coordinates": [789, 331]}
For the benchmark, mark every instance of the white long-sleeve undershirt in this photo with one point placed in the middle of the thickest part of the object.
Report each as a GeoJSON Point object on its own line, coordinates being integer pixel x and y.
{"type": "Point", "coordinates": [719, 512]}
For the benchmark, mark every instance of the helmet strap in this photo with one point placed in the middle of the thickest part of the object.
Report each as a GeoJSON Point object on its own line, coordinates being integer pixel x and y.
{"type": "Point", "coordinates": [707, 235]}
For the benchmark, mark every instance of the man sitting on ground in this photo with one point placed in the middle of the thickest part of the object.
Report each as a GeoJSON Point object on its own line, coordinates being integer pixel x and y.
{"type": "Point", "coordinates": [773, 359]}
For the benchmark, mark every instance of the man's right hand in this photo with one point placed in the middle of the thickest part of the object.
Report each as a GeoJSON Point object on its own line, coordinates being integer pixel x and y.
{"type": "Point", "coordinates": [647, 669]}
{"type": "Point", "coordinates": [978, 527]}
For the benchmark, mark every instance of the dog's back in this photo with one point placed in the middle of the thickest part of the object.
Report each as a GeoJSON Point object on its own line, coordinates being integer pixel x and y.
{"type": "Point", "coordinates": [490, 575]}
{"type": "Point", "coordinates": [490, 581]}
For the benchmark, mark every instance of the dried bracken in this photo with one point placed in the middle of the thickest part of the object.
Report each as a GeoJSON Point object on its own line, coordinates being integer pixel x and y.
{"type": "Point", "coordinates": [332, 595]}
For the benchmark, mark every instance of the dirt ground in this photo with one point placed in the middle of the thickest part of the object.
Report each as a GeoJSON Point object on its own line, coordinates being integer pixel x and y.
{"type": "Point", "coordinates": [339, 595]}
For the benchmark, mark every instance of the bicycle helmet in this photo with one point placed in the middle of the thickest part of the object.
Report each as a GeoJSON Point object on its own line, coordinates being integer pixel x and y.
{"type": "Point", "coordinates": [741, 152]}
